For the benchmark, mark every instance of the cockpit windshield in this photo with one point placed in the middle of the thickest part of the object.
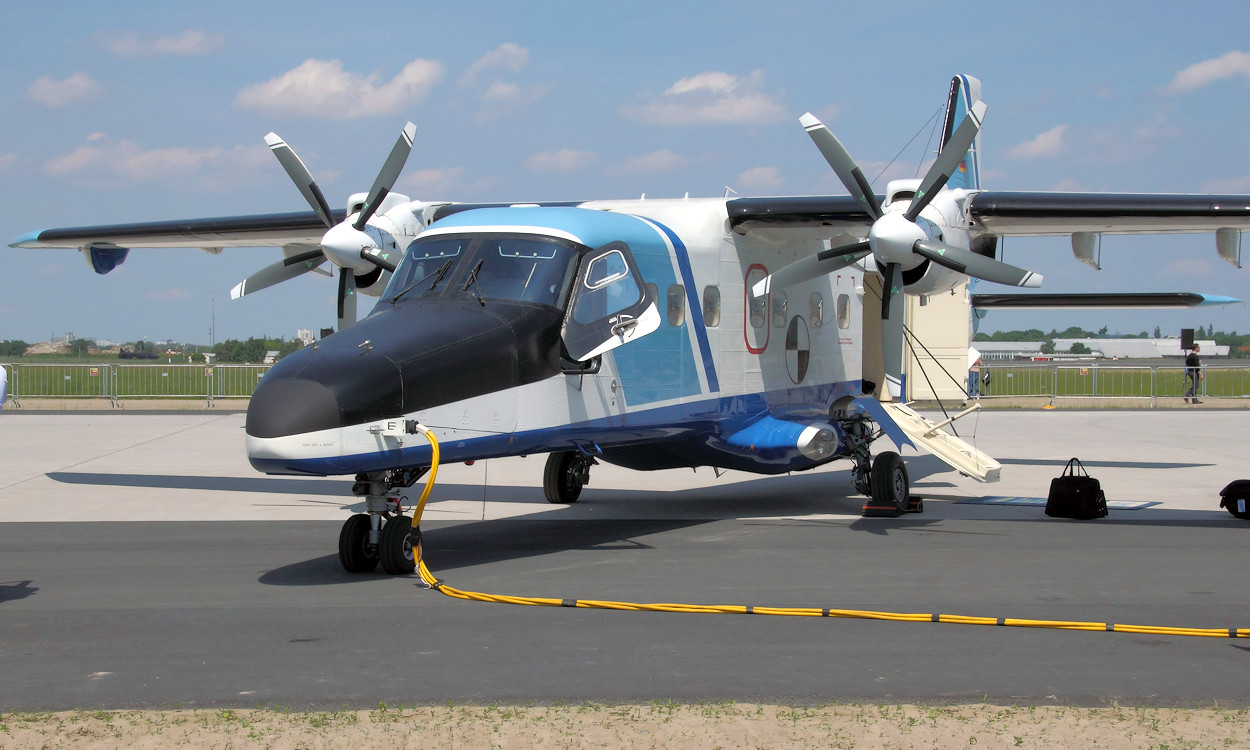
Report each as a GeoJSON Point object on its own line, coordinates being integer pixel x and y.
{"type": "Point", "coordinates": [526, 268]}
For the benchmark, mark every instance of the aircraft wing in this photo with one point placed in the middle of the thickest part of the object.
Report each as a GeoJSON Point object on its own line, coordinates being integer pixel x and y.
{"type": "Point", "coordinates": [263, 230]}
{"type": "Point", "coordinates": [1019, 213]}
{"type": "Point", "coordinates": [827, 214]}
{"type": "Point", "coordinates": [1009, 214]}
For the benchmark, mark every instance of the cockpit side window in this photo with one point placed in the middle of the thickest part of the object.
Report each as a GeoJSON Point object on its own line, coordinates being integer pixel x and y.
{"type": "Point", "coordinates": [609, 287]}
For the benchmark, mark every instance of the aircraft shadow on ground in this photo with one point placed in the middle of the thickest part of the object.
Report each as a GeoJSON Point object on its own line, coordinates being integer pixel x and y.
{"type": "Point", "coordinates": [11, 591]}
{"type": "Point", "coordinates": [485, 542]}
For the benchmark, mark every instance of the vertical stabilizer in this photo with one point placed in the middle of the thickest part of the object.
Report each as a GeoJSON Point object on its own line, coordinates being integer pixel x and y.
{"type": "Point", "coordinates": [965, 91]}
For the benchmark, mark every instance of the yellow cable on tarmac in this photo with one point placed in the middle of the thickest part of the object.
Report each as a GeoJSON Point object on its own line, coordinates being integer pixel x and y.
{"type": "Point", "coordinates": [738, 609]}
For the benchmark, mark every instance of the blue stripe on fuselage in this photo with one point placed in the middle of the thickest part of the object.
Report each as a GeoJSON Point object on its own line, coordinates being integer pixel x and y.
{"type": "Point", "coordinates": [695, 306]}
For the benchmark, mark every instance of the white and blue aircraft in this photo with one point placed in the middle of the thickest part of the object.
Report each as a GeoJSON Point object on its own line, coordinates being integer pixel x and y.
{"type": "Point", "coordinates": [735, 333]}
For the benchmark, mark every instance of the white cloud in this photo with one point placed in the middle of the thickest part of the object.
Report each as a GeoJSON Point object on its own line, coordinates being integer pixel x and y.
{"type": "Point", "coordinates": [564, 160]}
{"type": "Point", "coordinates": [720, 83]}
{"type": "Point", "coordinates": [1046, 144]}
{"type": "Point", "coordinates": [1233, 186]}
{"type": "Point", "coordinates": [507, 56]}
{"type": "Point", "coordinates": [131, 44]}
{"type": "Point", "coordinates": [499, 91]}
{"type": "Point", "coordinates": [761, 178]}
{"type": "Point", "coordinates": [59, 94]}
{"type": "Point", "coordinates": [1188, 267]}
{"type": "Point", "coordinates": [7, 161]}
{"type": "Point", "coordinates": [127, 160]}
{"type": "Point", "coordinates": [1217, 68]}
{"type": "Point", "coordinates": [321, 88]}
{"type": "Point", "coordinates": [656, 161]}
{"type": "Point", "coordinates": [432, 181]}
{"type": "Point", "coordinates": [176, 294]}
{"type": "Point", "coordinates": [709, 98]}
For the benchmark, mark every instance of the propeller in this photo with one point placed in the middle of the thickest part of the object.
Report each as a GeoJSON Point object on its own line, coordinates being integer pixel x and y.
{"type": "Point", "coordinates": [346, 244]}
{"type": "Point", "coordinates": [897, 240]}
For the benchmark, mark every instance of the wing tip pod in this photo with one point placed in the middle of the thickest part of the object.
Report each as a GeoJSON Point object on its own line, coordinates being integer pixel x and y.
{"type": "Point", "coordinates": [27, 240]}
{"type": "Point", "coordinates": [1210, 300]}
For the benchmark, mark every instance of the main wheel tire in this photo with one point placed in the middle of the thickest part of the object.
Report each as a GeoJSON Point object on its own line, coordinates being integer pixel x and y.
{"type": "Point", "coordinates": [354, 551]}
{"type": "Point", "coordinates": [562, 478]}
{"type": "Point", "coordinates": [890, 485]}
{"type": "Point", "coordinates": [395, 546]}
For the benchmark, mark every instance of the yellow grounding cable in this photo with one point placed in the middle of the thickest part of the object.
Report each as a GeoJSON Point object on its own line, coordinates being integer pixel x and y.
{"type": "Point", "coordinates": [738, 609]}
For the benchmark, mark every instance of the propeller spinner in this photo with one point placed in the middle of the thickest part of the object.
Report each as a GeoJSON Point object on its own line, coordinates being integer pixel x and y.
{"type": "Point", "coordinates": [346, 244]}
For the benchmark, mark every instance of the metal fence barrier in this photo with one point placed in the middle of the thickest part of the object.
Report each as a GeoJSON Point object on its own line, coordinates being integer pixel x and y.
{"type": "Point", "coordinates": [133, 381]}
{"type": "Point", "coordinates": [1094, 381]}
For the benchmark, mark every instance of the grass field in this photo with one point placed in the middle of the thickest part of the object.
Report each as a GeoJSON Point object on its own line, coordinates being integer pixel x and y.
{"type": "Point", "coordinates": [1114, 381]}
{"type": "Point", "coordinates": [132, 381]}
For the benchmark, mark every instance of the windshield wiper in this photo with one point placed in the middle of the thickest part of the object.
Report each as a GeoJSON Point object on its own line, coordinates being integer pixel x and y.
{"type": "Point", "coordinates": [439, 273]}
{"type": "Point", "coordinates": [473, 283]}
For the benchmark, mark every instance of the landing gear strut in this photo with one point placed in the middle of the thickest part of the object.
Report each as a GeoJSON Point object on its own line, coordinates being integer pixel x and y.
{"type": "Point", "coordinates": [564, 476]}
{"type": "Point", "coordinates": [383, 533]}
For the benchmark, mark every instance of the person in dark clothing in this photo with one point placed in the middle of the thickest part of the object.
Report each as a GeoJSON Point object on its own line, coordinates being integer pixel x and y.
{"type": "Point", "coordinates": [1193, 373]}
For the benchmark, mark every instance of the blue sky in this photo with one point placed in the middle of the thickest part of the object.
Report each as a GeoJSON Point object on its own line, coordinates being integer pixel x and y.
{"type": "Point", "coordinates": [145, 111]}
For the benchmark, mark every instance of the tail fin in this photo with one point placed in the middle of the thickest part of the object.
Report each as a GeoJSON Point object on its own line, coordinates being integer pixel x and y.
{"type": "Point", "coordinates": [965, 91]}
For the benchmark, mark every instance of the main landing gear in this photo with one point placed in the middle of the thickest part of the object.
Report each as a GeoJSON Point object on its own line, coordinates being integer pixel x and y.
{"type": "Point", "coordinates": [564, 476]}
{"type": "Point", "coordinates": [382, 534]}
{"type": "Point", "coordinates": [887, 486]}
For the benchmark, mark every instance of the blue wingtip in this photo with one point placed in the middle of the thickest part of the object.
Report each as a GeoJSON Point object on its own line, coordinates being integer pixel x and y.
{"type": "Point", "coordinates": [30, 239]}
{"type": "Point", "coordinates": [1216, 299]}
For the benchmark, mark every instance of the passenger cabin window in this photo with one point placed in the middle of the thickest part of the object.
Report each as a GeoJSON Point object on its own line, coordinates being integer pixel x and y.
{"type": "Point", "coordinates": [711, 306]}
{"type": "Point", "coordinates": [676, 305]}
{"type": "Point", "coordinates": [781, 309]}
{"type": "Point", "coordinates": [756, 312]}
{"type": "Point", "coordinates": [756, 306]}
{"type": "Point", "coordinates": [816, 310]}
{"type": "Point", "coordinates": [844, 311]}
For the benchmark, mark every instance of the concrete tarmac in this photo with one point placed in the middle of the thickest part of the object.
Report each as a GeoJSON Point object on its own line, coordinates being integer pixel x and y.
{"type": "Point", "coordinates": [144, 563]}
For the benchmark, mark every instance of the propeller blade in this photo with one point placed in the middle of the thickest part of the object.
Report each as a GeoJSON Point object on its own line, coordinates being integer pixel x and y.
{"type": "Point", "coordinates": [840, 159]}
{"type": "Point", "coordinates": [386, 178]}
{"type": "Point", "coordinates": [948, 161]}
{"type": "Point", "coordinates": [347, 298]}
{"type": "Point", "coordinates": [974, 265]}
{"type": "Point", "coordinates": [379, 258]}
{"type": "Point", "coordinates": [278, 272]}
{"type": "Point", "coordinates": [892, 300]}
{"type": "Point", "coordinates": [300, 175]}
{"type": "Point", "coordinates": [811, 267]}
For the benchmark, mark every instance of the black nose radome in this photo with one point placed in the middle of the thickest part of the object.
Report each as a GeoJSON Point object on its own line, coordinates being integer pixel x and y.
{"type": "Point", "coordinates": [290, 406]}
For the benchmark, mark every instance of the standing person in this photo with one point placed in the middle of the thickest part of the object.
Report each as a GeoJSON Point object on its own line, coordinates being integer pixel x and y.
{"type": "Point", "coordinates": [1193, 373]}
{"type": "Point", "coordinates": [974, 376]}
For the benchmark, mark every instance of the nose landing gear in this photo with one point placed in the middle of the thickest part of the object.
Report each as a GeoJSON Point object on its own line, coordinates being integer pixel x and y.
{"type": "Point", "coordinates": [382, 534]}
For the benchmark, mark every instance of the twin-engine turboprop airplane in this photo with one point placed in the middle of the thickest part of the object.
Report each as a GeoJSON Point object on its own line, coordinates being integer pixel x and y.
{"type": "Point", "coordinates": [651, 334]}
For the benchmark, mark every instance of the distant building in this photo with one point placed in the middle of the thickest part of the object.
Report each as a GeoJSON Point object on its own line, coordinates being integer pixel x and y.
{"type": "Point", "coordinates": [306, 335]}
